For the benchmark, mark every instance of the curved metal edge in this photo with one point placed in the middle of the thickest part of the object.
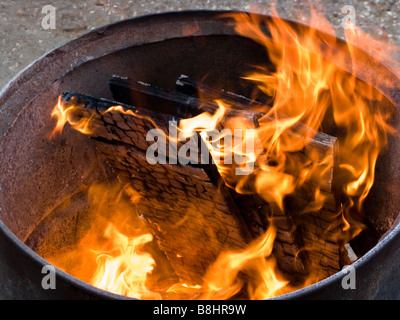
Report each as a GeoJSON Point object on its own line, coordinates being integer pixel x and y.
{"type": "Point", "coordinates": [40, 262]}
{"type": "Point", "coordinates": [83, 49]}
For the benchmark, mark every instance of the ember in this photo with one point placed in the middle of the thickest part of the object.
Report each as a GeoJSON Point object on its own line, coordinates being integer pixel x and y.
{"type": "Point", "coordinates": [279, 217]}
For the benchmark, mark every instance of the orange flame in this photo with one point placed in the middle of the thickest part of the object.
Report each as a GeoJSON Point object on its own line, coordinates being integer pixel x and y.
{"type": "Point", "coordinates": [222, 281]}
{"type": "Point", "coordinates": [306, 87]}
{"type": "Point", "coordinates": [124, 269]}
{"type": "Point", "coordinates": [66, 114]}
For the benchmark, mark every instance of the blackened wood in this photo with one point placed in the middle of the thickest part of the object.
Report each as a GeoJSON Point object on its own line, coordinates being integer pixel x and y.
{"type": "Point", "coordinates": [175, 103]}
{"type": "Point", "coordinates": [314, 146]}
{"type": "Point", "coordinates": [187, 209]}
{"type": "Point", "coordinates": [194, 88]}
{"type": "Point", "coordinates": [153, 98]}
{"type": "Point", "coordinates": [297, 231]}
{"type": "Point", "coordinates": [131, 130]}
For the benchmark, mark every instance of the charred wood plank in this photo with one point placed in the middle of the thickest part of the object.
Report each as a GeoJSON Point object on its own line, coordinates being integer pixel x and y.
{"type": "Point", "coordinates": [174, 103]}
{"type": "Point", "coordinates": [186, 207]}
{"type": "Point", "coordinates": [131, 130]}
{"type": "Point", "coordinates": [133, 125]}
{"type": "Point", "coordinates": [313, 147]}
{"type": "Point", "coordinates": [316, 149]}
{"type": "Point", "coordinates": [194, 88]}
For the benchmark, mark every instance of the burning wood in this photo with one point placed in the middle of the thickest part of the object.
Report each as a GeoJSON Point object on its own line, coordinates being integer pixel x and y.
{"type": "Point", "coordinates": [189, 210]}
{"type": "Point", "coordinates": [297, 229]}
{"type": "Point", "coordinates": [250, 212]}
{"type": "Point", "coordinates": [314, 147]}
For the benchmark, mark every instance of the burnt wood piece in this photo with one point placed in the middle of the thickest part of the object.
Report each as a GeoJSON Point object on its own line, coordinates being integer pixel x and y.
{"type": "Point", "coordinates": [286, 249]}
{"type": "Point", "coordinates": [316, 232]}
{"type": "Point", "coordinates": [187, 208]}
{"type": "Point", "coordinates": [150, 97]}
{"type": "Point", "coordinates": [194, 88]}
{"type": "Point", "coordinates": [156, 99]}
{"type": "Point", "coordinates": [253, 210]}
{"type": "Point", "coordinates": [314, 147]}
{"type": "Point", "coordinates": [171, 104]}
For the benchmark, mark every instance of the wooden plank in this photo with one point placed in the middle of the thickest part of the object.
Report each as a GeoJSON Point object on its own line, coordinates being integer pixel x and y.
{"type": "Point", "coordinates": [316, 149]}
{"type": "Point", "coordinates": [314, 146]}
{"type": "Point", "coordinates": [186, 207]}
{"type": "Point", "coordinates": [131, 130]}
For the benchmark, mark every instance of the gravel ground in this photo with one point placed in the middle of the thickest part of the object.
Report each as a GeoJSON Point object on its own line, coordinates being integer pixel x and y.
{"type": "Point", "coordinates": [23, 39]}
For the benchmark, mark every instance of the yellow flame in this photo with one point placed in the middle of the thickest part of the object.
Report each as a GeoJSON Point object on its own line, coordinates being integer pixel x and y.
{"type": "Point", "coordinates": [66, 114]}
{"type": "Point", "coordinates": [124, 269]}
{"type": "Point", "coordinates": [222, 281]}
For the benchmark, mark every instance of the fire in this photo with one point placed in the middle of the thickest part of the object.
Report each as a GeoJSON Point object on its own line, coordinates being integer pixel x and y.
{"type": "Point", "coordinates": [305, 87]}
{"type": "Point", "coordinates": [69, 115]}
{"type": "Point", "coordinates": [113, 254]}
{"type": "Point", "coordinates": [125, 270]}
{"type": "Point", "coordinates": [222, 281]}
